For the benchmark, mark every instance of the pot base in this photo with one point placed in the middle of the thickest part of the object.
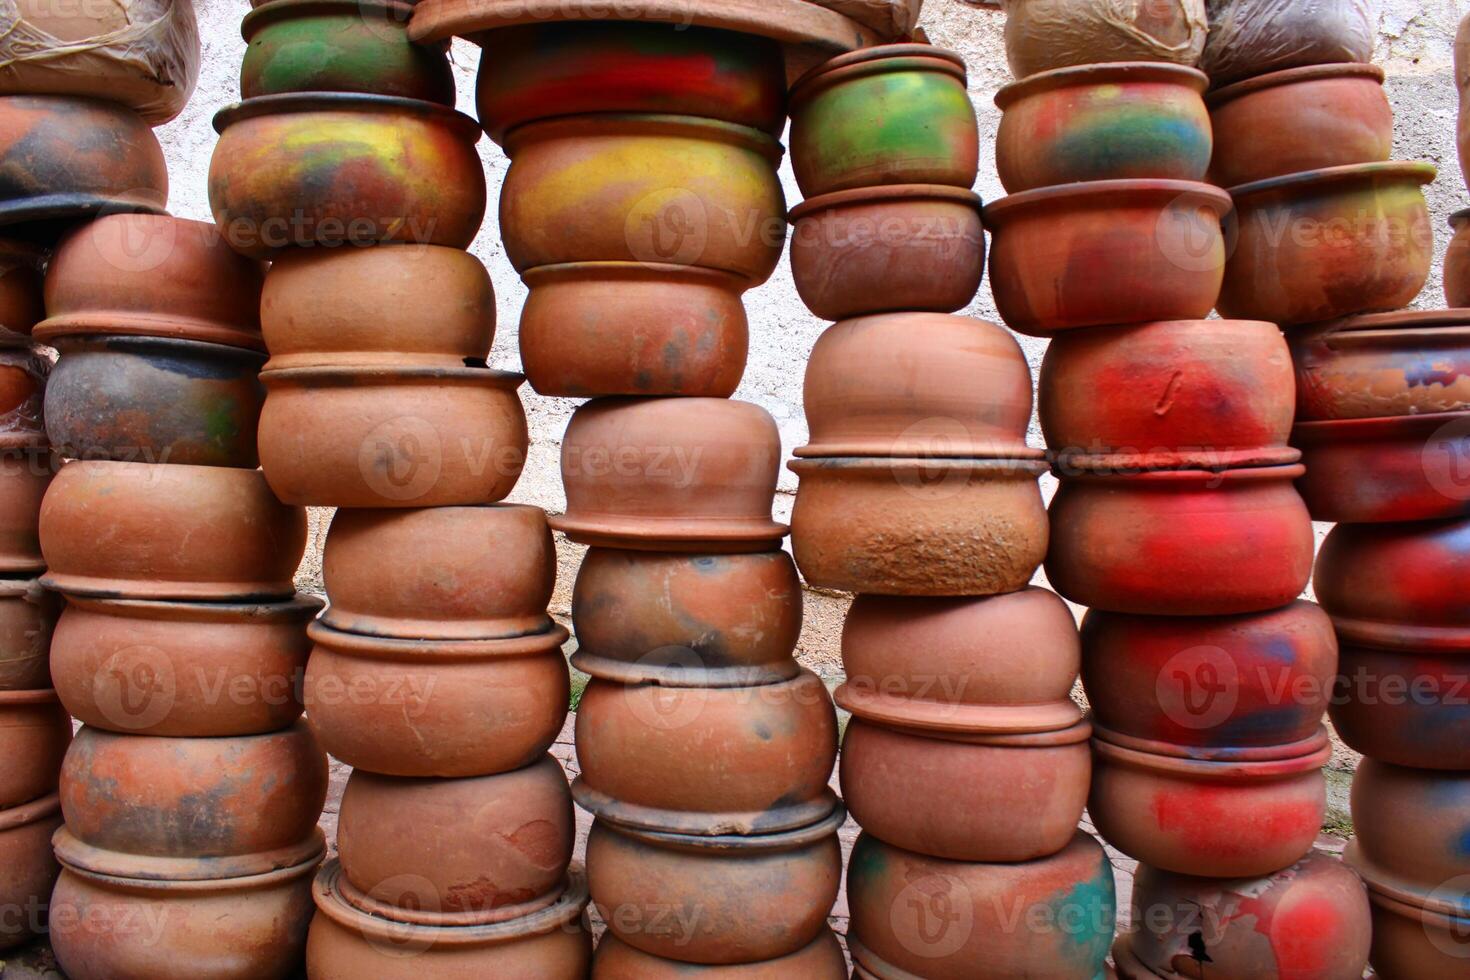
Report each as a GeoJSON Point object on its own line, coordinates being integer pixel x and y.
{"type": "Point", "coordinates": [366, 904]}
{"type": "Point", "coordinates": [968, 719]}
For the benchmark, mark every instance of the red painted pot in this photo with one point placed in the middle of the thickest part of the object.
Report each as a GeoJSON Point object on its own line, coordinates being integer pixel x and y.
{"type": "Point", "coordinates": [34, 732]}
{"type": "Point", "coordinates": [22, 300]}
{"type": "Point", "coordinates": [1387, 470]}
{"type": "Point", "coordinates": [823, 959]}
{"type": "Point", "coordinates": [29, 868]}
{"type": "Point", "coordinates": [1387, 801]}
{"type": "Point", "coordinates": [1384, 365]}
{"type": "Point", "coordinates": [1181, 543]}
{"type": "Point", "coordinates": [1457, 262]}
{"type": "Point", "coordinates": [25, 478]}
{"type": "Point", "coordinates": [27, 617]}
{"type": "Point", "coordinates": [1404, 705]}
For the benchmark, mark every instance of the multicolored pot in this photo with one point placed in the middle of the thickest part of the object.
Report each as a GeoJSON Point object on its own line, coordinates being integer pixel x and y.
{"type": "Point", "coordinates": [1404, 704]}
{"type": "Point", "coordinates": [22, 303]}
{"type": "Point", "coordinates": [24, 480]}
{"type": "Point", "coordinates": [1457, 262]}
{"type": "Point", "coordinates": [823, 959]}
{"type": "Point", "coordinates": [1383, 365]}
{"type": "Point", "coordinates": [24, 375]}
{"type": "Point", "coordinates": [27, 616]}
{"type": "Point", "coordinates": [34, 732]}
{"type": "Point", "coordinates": [1387, 801]}
{"type": "Point", "coordinates": [30, 869]}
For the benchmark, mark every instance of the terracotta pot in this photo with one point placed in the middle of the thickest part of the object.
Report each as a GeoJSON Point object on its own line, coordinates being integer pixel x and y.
{"type": "Point", "coordinates": [967, 680]}
{"type": "Point", "coordinates": [22, 302]}
{"type": "Point", "coordinates": [660, 474]}
{"type": "Point", "coordinates": [698, 620]}
{"type": "Point", "coordinates": [1457, 261]}
{"type": "Point", "coordinates": [919, 527]}
{"type": "Point", "coordinates": [1410, 941]}
{"type": "Point", "coordinates": [182, 669]}
{"type": "Point", "coordinates": [1242, 816]}
{"type": "Point", "coordinates": [1045, 34]}
{"type": "Point", "coordinates": [922, 916]}
{"type": "Point", "coordinates": [199, 533]}
{"type": "Point", "coordinates": [1106, 252]}
{"type": "Point", "coordinates": [24, 479]}
{"type": "Point", "coordinates": [1372, 471]}
{"type": "Point", "coordinates": [409, 306]}
{"type": "Point", "coordinates": [821, 960]}
{"type": "Point", "coordinates": [65, 160]}
{"type": "Point", "coordinates": [23, 378]}
{"type": "Point", "coordinates": [643, 188]}
{"type": "Point", "coordinates": [1212, 683]}
{"type": "Point", "coordinates": [1181, 543]}
{"type": "Point", "coordinates": [635, 876]}
{"type": "Point", "coordinates": [1384, 365]}
{"type": "Point", "coordinates": [152, 276]}
{"type": "Point", "coordinates": [35, 731]}
{"type": "Point", "coordinates": [766, 755]}
{"type": "Point", "coordinates": [30, 869]}
{"type": "Point", "coordinates": [903, 247]}
{"type": "Point", "coordinates": [340, 46]}
{"type": "Point", "coordinates": [1329, 243]}
{"type": "Point", "coordinates": [367, 437]}
{"type": "Point", "coordinates": [572, 68]}
{"type": "Point", "coordinates": [917, 384]}
{"type": "Point", "coordinates": [894, 114]}
{"type": "Point", "coordinates": [422, 708]}
{"type": "Point", "coordinates": [1173, 395]}
{"type": "Point", "coordinates": [1427, 861]}
{"type": "Point", "coordinates": [1404, 705]}
{"type": "Point", "coordinates": [27, 616]}
{"type": "Point", "coordinates": [457, 852]}
{"type": "Point", "coordinates": [334, 169]}
{"type": "Point", "coordinates": [154, 400]}
{"type": "Point", "coordinates": [346, 943]}
{"type": "Point", "coordinates": [1124, 121]}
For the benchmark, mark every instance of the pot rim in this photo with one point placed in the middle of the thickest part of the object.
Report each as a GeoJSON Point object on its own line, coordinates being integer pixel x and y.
{"type": "Point", "coordinates": [1290, 76]}
{"type": "Point", "coordinates": [1352, 431]}
{"type": "Point", "coordinates": [1205, 770]}
{"type": "Point", "coordinates": [788, 817]}
{"type": "Point", "coordinates": [917, 449]}
{"type": "Point", "coordinates": [291, 103]}
{"type": "Point", "coordinates": [643, 123]}
{"type": "Point", "coordinates": [931, 719]}
{"type": "Point", "coordinates": [1214, 753]}
{"type": "Point", "coordinates": [1070, 465]}
{"type": "Point", "coordinates": [200, 348]}
{"type": "Point", "coordinates": [386, 374]}
{"type": "Point", "coordinates": [1397, 324]}
{"type": "Point", "coordinates": [1104, 194]}
{"type": "Point", "coordinates": [298, 608]}
{"type": "Point", "coordinates": [1436, 642]}
{"type": "Point", "coordinates": [20, 699]}
{"type": "Point", "coordinates": [1314, 180]}
{"type": "Point", "coordinates": [904, 56]}
{"type": "Point", "coordinates": [621, 271]}
{"type": "Point", "coordinates": [773, 671]}
{"type": "Point", "coordinates": [436, 651]}
{"type": "Point", "coordinates": [788, 840]}
{"type": "Point", "coordinates": [1400, 891]}
{"type": "Point", "coordinates": [361, 901]}
{"type": "Point", "coordinates": [886, 192]}
{"type": "Point", "coordinates": [1110, 73]}
{"type": "Point", "coordinates": [266, 13]}
{"type": "Point", "coordinates": [19, 588]}
{"type": "Point", "coordinates": [188, 874]}
{"type": "Point", "coordinates": [120, 324]}
{"type": "Point", "coordinates": [1250, 474]}
{"type": "Point", "coordinates": [670, 534]}
{"type": "Point", "coordinates": [1079, 732]}
{"type": "Point", "coordinates": [16, 817]}
{"type": "Point", "coordinates": [171, 589]}
{"type": "Point", "coordinates": [1016, 466]}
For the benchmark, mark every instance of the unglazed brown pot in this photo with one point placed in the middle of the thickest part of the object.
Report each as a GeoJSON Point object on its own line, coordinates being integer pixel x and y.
{"type": "Point", "coordinates": [920, 527]}
{"type": "Point", "coordinates": [821, 960]}
{"type": "Point", "coordinates": [917, 916]}
{"type": "Point", "coordinates": [1181, 543]}
{"type": "Point", "coordinates": [1172, 395]}
{"type": "Point", "coordinates": [35, 732]}
{"type": "Point", "coordinates": [1301, 119]}
{"type": "Point", "coordinates": [902, 247]}
{"type": "Point", "coordinates": [199, 533]}
{"type": "Point", "coordinates": [407, 306]}
{"type": "Point", "coordinates": [665, 474]}
{"type": "Point", "coordinates": [27, 617]}
{"type": "Point", "coordinates": [1107, 252]}
{"type": "Point", "coordinates": [700, 620]}
{"type": "Point", "coordinates": [635, 876]}
{"type": "Point", "coordinates": [764, 760]}
{"type": "Point", "coordinates": [182, 669]}
{"type": "Point", "coordinates": [416, 708]}
{"type": "Point", "coordinates": [1411, 941]}
{"type": "Point", "coordinates": [917, 384]}
{"type": "Point", "coordinates": [453, 573]}
{"type": "Point", "coordinates": [366, 437]}
{"type": "Point", "coordinates": [23, 379]}
{"type": "Point", "coordinates": [346, 944]}
{"type": "Point", "coordinates": [1383, 365]}
{"type": "Point", "coordinates": [1457, 262]}
{"type": "Point", "coordinates": [456, 852]}
{"type": "Point", "coordinates": [28, 869]}
{"type": "Point", "coordinates": [1329, 243]}
{"type": "Point", "coordinates": [22, 299]}
{"type": "Point", "coordinates": [1121, 121]}
{"type": "Point", "coordinates": [1370, 471]}
{"type": "Point", "coordinates": [1389, 800]}
{"type": "Point", "coordinates": [24, 480]}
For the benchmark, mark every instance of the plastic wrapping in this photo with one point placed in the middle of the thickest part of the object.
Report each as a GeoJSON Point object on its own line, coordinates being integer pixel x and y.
{"type": "Point", "coordinates": [1254, 37]}
{"type": "Point", "coordinates": [141, 53]}
{"type": "Point", "coordinates": [1046, 34]}
{"type": "Point", "coordinates": [892, 19]}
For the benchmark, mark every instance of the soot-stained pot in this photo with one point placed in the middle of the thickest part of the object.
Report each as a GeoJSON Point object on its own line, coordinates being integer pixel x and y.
{"type": "Point", "coordinates": [1329, 243]}
{"type": "Point", "coordinates": [29, 868]}
{"type": "Point", "coordinates": [182, 669]}
{"type": "Point", "coordinates": [339, 169]}
{"type": "Point", "coordinates": [1181, 543]}
{"type": "Point", "coordinates": [22, 297]}
{"type": "Point", "coordinates": [1122, 121]}
{"type": "Point", "coordinates": [421, 708]}
{"type": "Point", "coordinates": [27, 617]}
{"type": "Point", "coordinates": [1107, 252]}
{"type": "Point", "coordinates": [763, 760]}
{"type": "Point", "coordinates": [697, 620]}
{"type": "Point", "coordinates": [1383, 365]}
{"type": "Point", "coordinates": [1457, 262]}
{"type": "Point", "coordinates": [24, 375]}
{"type": "Point", "coordinates": [894, 114]}
{"type": "Point", "coordinates": [35, 732]}
{"type": "Point", "coordinates": [822, 959]}
{"type": "Point", "coordinates": [920, 527]}
{"type": "Point", "coordinates": [1410, 827]}
{"type": "Point", "coordinates": [24, 479]}
{"type": "Point", "coordinates": [918, 916]}
{"type": "Point", "coordinates": [196, 533]}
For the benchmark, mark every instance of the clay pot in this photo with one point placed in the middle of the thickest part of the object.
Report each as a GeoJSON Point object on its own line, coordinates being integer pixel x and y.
{"type": "Point", "coordinates": [27, 616]}
{"type": "Point", "coordinates": [1384, 365]}
{"type": "Point", "coordinates": [1045, 34]}
{"type": "Point", "coordinates": [422, 708]}
{"type": "Point", "coordinates": [335, 169]}
{"type": "Point", "coordinates": [1174, 395]}
{"type": "Point", "coordinates": [1106, 252]}
{"type": "Point", "coordinates": [698, 620]}
{"type": "Point", "coordinates": [24, 479]}
{"type": "Point", "coordinates": [893, 114]}
{"type": "Point", "coordinates": [34, 733]}
{"type": "Point", "coordinates": [199, 533]}
{"type": "Point", "coordinates": [1410, 941]}
{"type": "Point", "coordinates": [152, 276]}
{"type": "Point", "coordinates": [182, 669]}
{"type": "Point", "coordinates": [340, 46]}
{"type": "Point", "coordinates": [1241, 814]}
{"type": "Point", "coordinates": [765, 756]}
{"type": "Point", "coordinates": [29, 868]}
{"type": "Point", "coordinates": [23, 378]}
{"type": "Point", "coordinates": [1181, 543]}
{"type": "Point", "coordinates": [1221, 682]}
{"type": "Point", "coordinates": [346, 943]}
{"type": "Point", "coordinates": [966, 681]}
{"type": "Point", "coordinates": [154, 400]}
{"type": "Point", "coordinates": [634, 328]}
{"type": "Point", "coordinates": [821, 960]}
{"type": "Point", "coordinates": [22, 303]}
{"type": "Point", "coordinates": [1371, 471]}
{"type": "Point", "coordinates": [367, 437]}
{"type": "Point", "coordinates": [1388, 800]}
{"type": "Point", "coordinates": [922, 916]}
{"type": "Point", "coordinates": [459, 852]}
{"type": "Point", "coordinates": [643, 188]}
{"type": "Point", "coordinates": [1404, 705]}
{"type": "Point", "coordinates": [905, 247]}
{"type": "Point", "coordinates": [1457, 261]}
{"type": "Point", "coordinates": [1329, 243]}
{"type": "Point", "coordinates": [917, 384]}
{"type": "Point", "coordinates": [635, 876]}
{"type": "Point", "coordinates": [919, 527]}
{"type": "Point", "coordinates": [1125, 121]}
{"type": "Point", "coordinates": [660, 474]}
{"type": "Point", "coordinates": [409, 306]}
{"type": "Point", "coordinates": [572, 68]}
